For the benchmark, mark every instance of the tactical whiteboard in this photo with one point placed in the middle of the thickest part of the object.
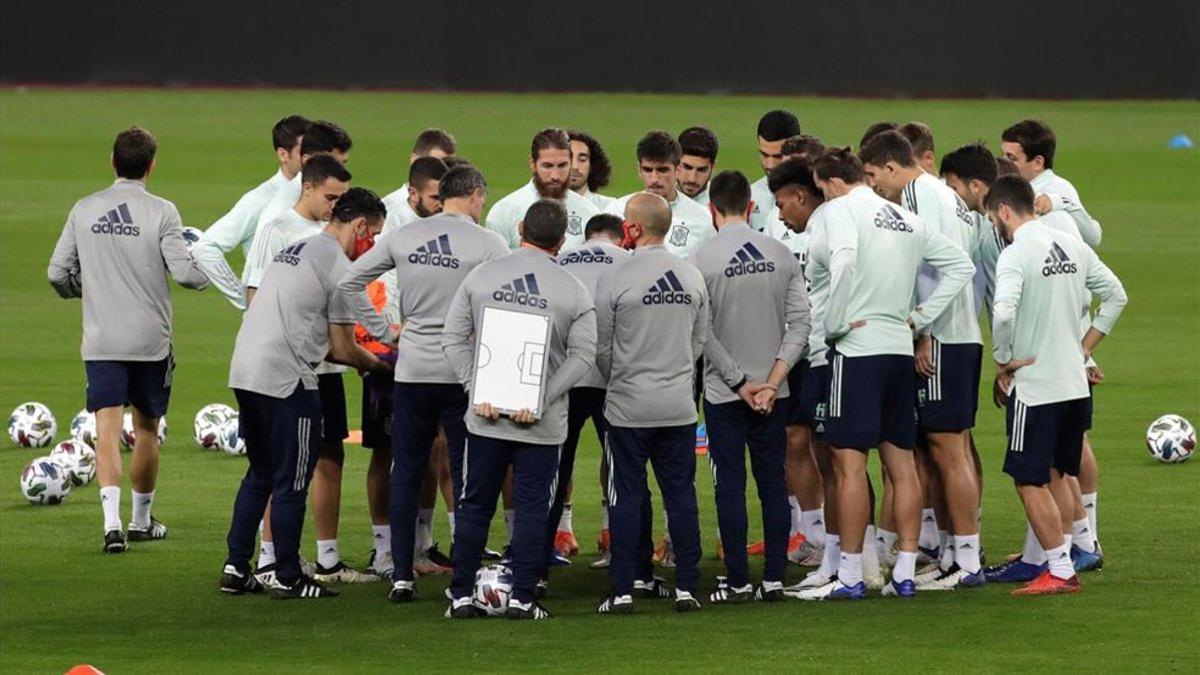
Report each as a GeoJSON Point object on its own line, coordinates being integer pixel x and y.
{"type": "Point", "coordinates": [510, 355]}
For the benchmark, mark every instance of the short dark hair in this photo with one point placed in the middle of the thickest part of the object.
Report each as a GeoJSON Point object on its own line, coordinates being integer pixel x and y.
{"type": "Point", "coordinates": [550, 138]}
{"type": "Point", "coordinates": [876, 129]}
{"type": "Point", "coordinates": [803, 145]}
{"type": "Point", "coordinates": [889, 146]}
{"type": "Point", "coordinates": [1035, 137]}
{"type": "Point", "coordinates": [729, 193]}
{"type": "Point", "coordinates": [795, 172]}
{"type": "Point", "coordinates": [658, 146]}
{"type": "Point", "coordinates": [1012, 191]}
{"type": "Point", "coordinates": [288, 130]}
{"type": "Point", "coordinates": [608, 223]}
{"type": "Point", "coordinates": [133, 153]}
{"type": "Point", "coordinates": [1005, 167]}
{"type": "Point", "coordinates": [434, 139]}
{"type": "Point", "coordinates": [359, 202]}
{"type": "Point", "coordinates": [545, 223]}
{"type": "Point", "coordinates": [699, 142]}
{"type": "Point", "coordinates": [323, 166]}
{"type": "Point", "coordinates": [839, 163]}
{"type": "Point", "coordinates": [971, 162]}
{"type": "Point", "coordinates": [601, 169]}
{"type": "Point", "coordinates": [778, 125]}
{"type": "Point", "coordinates": [452, 161]}
{"type": "Point", "coordinates": [424, 170]}
{"type": "Point", "coordinates": [919, 135]}
{"type": "Point", "coordinates": [322, 136]}
{"type": "Point", "coordinates": [460, 181]}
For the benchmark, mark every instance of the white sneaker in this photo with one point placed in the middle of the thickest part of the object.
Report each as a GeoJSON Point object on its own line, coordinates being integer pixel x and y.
{"type": "Point", "coordinates": [601, 563]}
{"type": "Point", "coordinates": [816, 579]}
{"type": "Point", "coordinates": [807, 555]}
{"type": "Point", "coordinates": [816, 593]}
{"type": "Point", "coordinates": [306, 568]}
{"type": "Point", "coordinates": [944, 582]}
{"type": "Point", "coordinates": [927, 573]}
{"type": "Point", "coordinates": [341, 574]}
{"type": "Point", "coordinates": [382, 564]}
{"type": "Point", "coordinates": [266, 576]}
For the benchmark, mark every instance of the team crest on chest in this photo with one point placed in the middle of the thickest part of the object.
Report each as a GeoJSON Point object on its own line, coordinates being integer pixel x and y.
{"type": "Point", "coordinates": [679, 235]}
{"type": "Point", "coordinates": [574, 225]}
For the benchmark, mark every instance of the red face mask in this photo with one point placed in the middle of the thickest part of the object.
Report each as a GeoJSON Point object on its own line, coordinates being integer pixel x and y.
{"type": "Point", "coordinates": [362, 245]}
{"type": "Point", "coordinates": [628, 240]}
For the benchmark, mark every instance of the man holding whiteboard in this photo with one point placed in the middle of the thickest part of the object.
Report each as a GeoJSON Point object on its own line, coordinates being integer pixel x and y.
{"type": "Point", "coordinates": [520, 333]}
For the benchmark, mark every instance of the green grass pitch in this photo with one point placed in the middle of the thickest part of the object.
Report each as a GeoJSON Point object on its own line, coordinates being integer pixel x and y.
{"type": "Point", "coordinates": [156, 608]}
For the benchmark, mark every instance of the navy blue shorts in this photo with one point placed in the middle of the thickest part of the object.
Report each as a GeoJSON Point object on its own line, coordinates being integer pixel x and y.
{"type": "Point", "coordinates": [812, 398]}
{"type": "Point", "coordinates": [871, 401]}
{"type": "Point", "coordinates": [377, 411]}
{"type": "Point", "coordinates": [948, 401]}
{"type": "Point", "coordinates": [795, 381]}
{"type": "Point", "coordinates": [1044, 437]}
{"type": "Point", "coordinates": [336, 426]}
{"type": "Point", "coordinates": [145, 385]}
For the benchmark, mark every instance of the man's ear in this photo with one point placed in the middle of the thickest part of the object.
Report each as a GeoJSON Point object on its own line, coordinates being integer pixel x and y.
{"type": "Point", "coordinates": [749, 210]}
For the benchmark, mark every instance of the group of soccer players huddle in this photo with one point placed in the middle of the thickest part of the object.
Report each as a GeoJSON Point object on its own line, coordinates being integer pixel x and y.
{"type": "Point", "coordinates": [827, 308]}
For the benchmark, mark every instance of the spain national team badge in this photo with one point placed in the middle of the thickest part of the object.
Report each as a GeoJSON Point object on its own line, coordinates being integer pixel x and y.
{"type": "Point", "coordinates": [574, 225]}
{"type": "Point", "coordinates": [679, 236]}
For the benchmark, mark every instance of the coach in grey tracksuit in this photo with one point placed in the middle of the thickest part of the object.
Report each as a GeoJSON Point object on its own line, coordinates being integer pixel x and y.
{"type": "Point", "coordinates": [651, 322]}
{"type": "Point", "coordinates": [529, 280]}
{"type": "Point", "coordinates": [759, 330]}
{"type": "Point", "coordinates": [431, 257]}
{"type": "Point", "coordinates": [115, 252]}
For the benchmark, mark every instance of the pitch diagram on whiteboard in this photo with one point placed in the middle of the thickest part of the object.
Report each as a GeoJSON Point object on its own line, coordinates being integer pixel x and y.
{"type": "Point", "coordinates": [509, 358]}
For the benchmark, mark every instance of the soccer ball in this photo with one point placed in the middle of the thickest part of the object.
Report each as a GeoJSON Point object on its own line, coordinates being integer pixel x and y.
{"type": "Point", "coordinates": [83, 427]}
{"type": "Point", "coordinates": [228, 440]}
{"type": "Point", "coordinates": [191, 236]}
{"type": "Point", "coordinates": [127, 436]}
{"type": "Point", "coordinates": [207, 426]}
{"type": "Point", "coordinates": [1171, 439]}
{"type": "Point", "coordinates": [493, 587]}
{"type": "Point", "coordinates": [78, 459]}
{"type": "Point", "coordinates": [44, 481]}
{"type": "Point", "coordinates": [32, 425]}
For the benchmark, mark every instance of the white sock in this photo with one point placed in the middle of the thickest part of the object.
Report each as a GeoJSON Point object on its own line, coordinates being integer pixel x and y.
{"type": "Point", "coordinates": [667, 527]}
{"type": "Point", "coordinates": [813, 526]}
{"type": "Point", "coordinates": [946, 545]}
{"type": "Point", "coordinates": [906, 566]}
{"type": "Point", "coordinates": [870, 554]}
{"type": "Point", "coordinates": [1033, 553]}
{"type": "Point", "coordinates": [424, 537]}
{"type": "Point", "coordinates": [327, 553]}
{"type": "Point", "coordinates": [266, 554]}
{"type": "Point", "coordinates": [510, 519]}
{"type": "Point", "coordinates": [1060, 561]}
{"type": "Point", "coordinates": [929, 532]}
{"type": "Point", "coordinates": [833, 555]}
{"type": "Point", "coordinates": [797, 516]}
{"type": "Point", "coordinates": [110, 503]}
{"type": "Point", "coordinates": [1082, 535]}
{"type": "Point", "coordinates": [564, 523]}
{"type": "Point", "coordinates": [142, 502]}
{"type": "Point", "coordinates": [381, 535]}
{"type": "Point", "coordinates": [966, 552]}
{"type": "Point", "coordinates": [1089, 505]}
{"type": "Point", "coordinates": [850, 569]}
{"type": "Point", "coordinates": [450, 519]}
{"type": "Point", "coordinates": [885, 540]}
{"type": "Point", "coordinates": [604, 514]}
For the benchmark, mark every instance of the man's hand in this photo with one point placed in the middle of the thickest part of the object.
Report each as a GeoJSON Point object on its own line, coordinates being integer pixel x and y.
{"type": "Point", "coordinates": [1094, 375]}
{"type": "Point", "coordinates": [923, 356]}
{"type": "Point", "coordinates": [1042, 205]}
{"type": "Point", "coordinates": [1004, 378]}
{"type": "Point", "coordinates": [486, 410]}
{"type": "Point", "coordinates": [764, 399]}
{"type": "Point", "coordinates": [393, 336]}
{"type": "Point", "coordinates": [524, 416]}
{"type": "Point", "coordinates": [832, 341]}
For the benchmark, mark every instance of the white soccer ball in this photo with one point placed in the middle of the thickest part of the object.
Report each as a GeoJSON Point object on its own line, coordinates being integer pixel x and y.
{"type": "Point", "coordinates": [44, 481]}
{"type": "Point", "coordinates": [191, 236]}
{"type": "Point", "coordinates": [127, 435]}
{"type": "Point", "coordinates": [493, 587]}
{"type": "Point", "coordinates": [229, 441]}
{"type": "Point", "coordinates": [32, 425]}
{"type": "Point", "coordinates": [78, 459]}
{"type": "Point", "coordinates": [207, 427]}
{"type": "Point", "coordinates": [1171, 439]}
{"type": "Point", "coordinates": [83, 427]}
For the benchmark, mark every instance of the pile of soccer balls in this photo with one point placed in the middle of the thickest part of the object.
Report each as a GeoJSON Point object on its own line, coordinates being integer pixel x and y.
{"type": "Point", "coordinates": [72, 463]}
{"type": "Point", "coordinates": [216, 428]}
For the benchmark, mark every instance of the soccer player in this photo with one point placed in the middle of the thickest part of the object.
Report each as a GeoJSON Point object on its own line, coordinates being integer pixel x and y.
{"type": "Point", "coordinates": [530, 444]}
{"type": "Point", "coordinates": [920, 136]}
{"type": "Point", "coordinates": [590, 168]}
{"type": "Point", "coordinates": [407, 203]}
{"type": "Point", "coordinates": [876, 129]}
{"type": "Point", "coordinates": [297, 319]}
{"type": "Point", "coordinates": [1030, 145]}
{"type": "Point", "coordinates": [658, 161]}
{"type": "Point", "coordinates": [1043, 277]}
{"type": "Point", "coordinates": [948, 356]}
{"type": "Point", "coordinates": [875, 250]}
{"type": "Point", "coordinates": [587, 262]}
{"type": "Point", "coordinates": [115, 252]}
{"type": "Point", "coordinates": [319, 136]}
{"type": "Point", "coordinates": [758, 331]}
{"type": "Point", "coordinates": [651, 325]}
{"type": "Point", "coordinates": [237, 227]}
{"type": "Point", "coordinates": [432, 255]}
{"type": "Point", "coordinates": [697, 162]}
{"type": "Point", "coordinates": [774, 128]}
{"type": "Point", "coordinates": [550, 164]}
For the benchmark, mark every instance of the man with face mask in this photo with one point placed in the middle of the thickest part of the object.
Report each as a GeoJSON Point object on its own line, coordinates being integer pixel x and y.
{"type": "Point", "coordinates": [590, 168]}
{"type": "Point", "coordinates": [298, 319]}
{"type": "Point", "coordinates": [550, 164]}
{"type": "Point", "coordinates": [658, 162]}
